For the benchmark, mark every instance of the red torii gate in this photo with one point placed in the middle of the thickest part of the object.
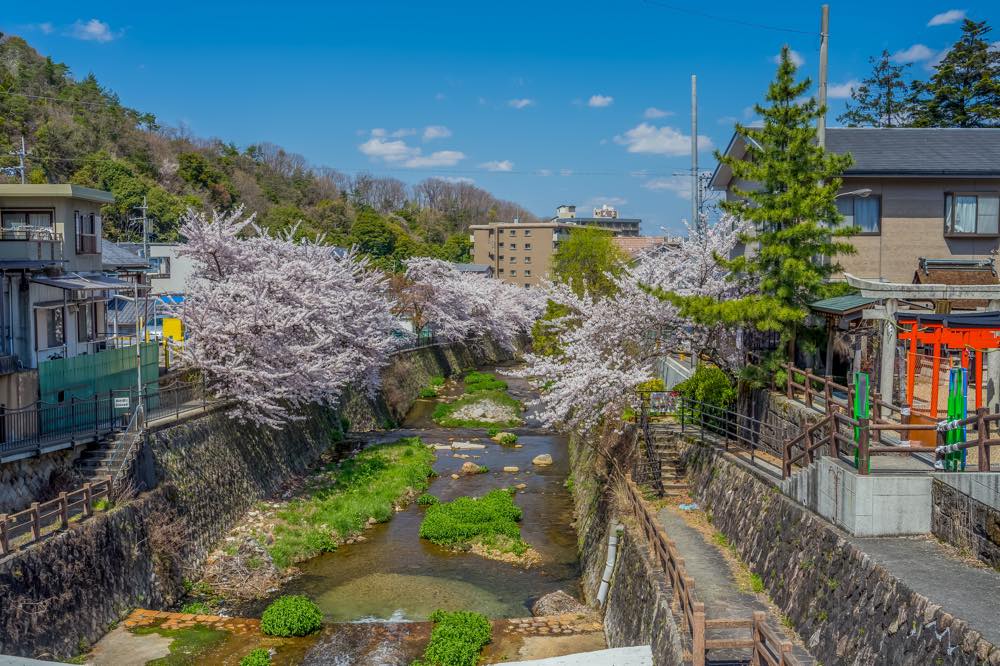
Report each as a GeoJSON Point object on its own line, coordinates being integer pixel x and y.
{"type": "Point", "coordinates": [978, 331]}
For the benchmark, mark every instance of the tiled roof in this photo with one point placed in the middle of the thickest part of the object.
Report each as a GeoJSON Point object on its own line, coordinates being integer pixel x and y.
{"type": "Point", "coordinates": [923, 151]}
{"type": "Point", "coordinates": [841, 305]}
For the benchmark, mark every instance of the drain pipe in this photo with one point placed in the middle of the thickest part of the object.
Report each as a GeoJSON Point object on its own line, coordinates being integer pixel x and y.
{"type": "Point", "coordinates": [609, 566]}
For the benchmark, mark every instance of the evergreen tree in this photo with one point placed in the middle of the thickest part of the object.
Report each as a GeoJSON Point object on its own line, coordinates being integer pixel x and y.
{"type": "Point", "coordinates": [794, 218]}
{"type": "Point", "coordinates": [588, 261]}
{"type": "Point", "coordinates": [965, 88]}
{"type": "Point", "coordinates": [881, 99]}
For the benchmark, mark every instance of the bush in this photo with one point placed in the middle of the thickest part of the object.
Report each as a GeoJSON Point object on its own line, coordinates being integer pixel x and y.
{"type": "Point", "coordinates": [429, 392]}
{"type": "Point", "coordinates": [505, 438]}
{"type": "Point", "coordinates": [491, 520]}
{"type": "Point", "coordinates": [291, 615]}
{"type": "Point", "coordinates": [483, 381]}
{"type": "Point", "coordinates": [709, 385]}
{"type": "Point", "coordinates": [457, 639]}
{"type": "Point", "coordinates": [196, 608]}
{"type": "Point", "coordinates": [492, 431]}
{"type": "Point", "coordinates": [436, 381]}
{"type": "Point", "coordinates": [427, 499]}
{"type": "Point", "coordinates": [257, 657]}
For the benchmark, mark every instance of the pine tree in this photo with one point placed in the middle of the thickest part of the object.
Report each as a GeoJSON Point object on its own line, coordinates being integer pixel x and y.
{"type": "Point", "coordinates": [794, 218]}
{"type": "Point", "coordinates": [881, 99]}
{"type": "Point", "coordinates": [965, 88]}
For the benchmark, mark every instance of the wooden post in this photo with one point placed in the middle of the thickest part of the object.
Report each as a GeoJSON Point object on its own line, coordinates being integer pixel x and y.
{"type": "Point", "coordinates": [809, 444]}
{"type": "Point", "coordinates": [36, 528]}
{"type": "Point", "coordinates": [63, 511]}
{"type": "Point", "coordinates": [863, 435]}
{"type": "Point", "coordinates": [4, 543]}
{"type": "Point", "coordinates": [828, 393]}
{"type": "Point", "coordinates": [698, 634]}
{"type": "Point", "coordinates": [789, 380]}
{"type": "Point", "coordinates": [758, 619]}
{"type": "Point", "coordinates": [87, 509]}
{"type": "Point", "coordinates": [808, 387]}
{"type": "Point", "coordinates": [783, 650]}
{"type": "Point", "coordinates": [877, 413]}
{"type": "Point", "coordinates": [981, 429]}
{"type": "Point", "coordinates": [786, 454]}
{"type": "Point", "coordinates": [935, 378]}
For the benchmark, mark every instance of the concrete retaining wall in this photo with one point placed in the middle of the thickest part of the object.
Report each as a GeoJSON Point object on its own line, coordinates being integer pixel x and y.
{"type": "Point", "coordinates": [850, 609]}
{"type": "Point", "coordinates": [65, 592]}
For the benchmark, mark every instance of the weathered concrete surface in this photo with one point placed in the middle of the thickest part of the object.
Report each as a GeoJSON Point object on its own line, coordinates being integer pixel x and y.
{"type": "Point", "coordinates": [966, 522]}
{"type": "Point", "coordinates": [848, 604]}
{"type": "Point", "coordinates": [871, 505]}
{"type": "Point", "coordinates": [627, 656]}
{"type": "Point", "coordinates": [64, 593]}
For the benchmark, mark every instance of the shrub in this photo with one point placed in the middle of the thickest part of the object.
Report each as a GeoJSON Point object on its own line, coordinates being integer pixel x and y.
{"type": "Point", "coordinates": [491, 520]}
{"type": "Point", "coordinates": [436, 380]}
{"type": "Point", "coordinates": [427, 499]}
{"type": "Point", "coordinates": [257, 657]}
{"type": "Point", "coordinates": [483, 381]}
{"type": "Point", "coordinates": [429, 392]}
{"type": "Point", "coordinates": [196, 608]}
{"type": "Point", "coordinates": [506, 438]}
{"type": "Point", "coordinates": [291, 615]}
{"type": "Point", "coordinates": [492, 431]}
{"type": "Point", "coordinates": [457, 639]}
{"type": "Point", "coordinates": [102, 504]}
{"type": "Point", "coordinates": [709, 385]}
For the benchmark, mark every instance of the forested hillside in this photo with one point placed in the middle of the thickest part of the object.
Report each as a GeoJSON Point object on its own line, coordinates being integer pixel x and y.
{"type": "Point", "coordinates": [79, 132]}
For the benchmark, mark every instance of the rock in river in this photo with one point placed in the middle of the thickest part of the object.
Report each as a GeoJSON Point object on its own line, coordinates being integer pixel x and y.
{"type": "Point", "coordinates": [544, 459]}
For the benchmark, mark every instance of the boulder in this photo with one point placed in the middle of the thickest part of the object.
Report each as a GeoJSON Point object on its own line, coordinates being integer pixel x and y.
{"type": "Point", "coordinates": [470, 468]}
{"type": "Point", "coordinates": [511, 468]}
{"type": "Point", "coordinates": [454, 476]}
{"type": "Point", "coordinates": [544, 459]}
{"type": "Point", "coordinates": [557, 603]}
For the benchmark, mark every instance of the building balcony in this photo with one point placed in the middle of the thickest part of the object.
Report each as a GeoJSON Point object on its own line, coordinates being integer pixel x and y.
{"type": "Point", "coordinates": [30, 243]}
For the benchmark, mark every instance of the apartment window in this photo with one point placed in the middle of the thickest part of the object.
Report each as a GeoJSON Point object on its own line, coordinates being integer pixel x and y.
{"type": "Point", "coordinates": [972, 214]}
{"type": "Point", "coordinates": [501, 244]}
{"type": "Point", "coordinates": [513, 273]}
{"type": "Point", "coordinates": [513, 260]}
{"type": "Point", "coordinates": [527, 260]}
{"type": "Point", "coordinates": [513, 246]}
{"type": "Point", "coordinates": [527, 273]}
{"type": "Point", "coordinates": [50, 329]}
{"type": "Point", "coordinates": [513, 232]}
{"type": "Point", "coordinates": [86, 232]}
{"type": "Point", "coordinates": [865, 213]}
{"type": "Point", "coordinates": [159, 267]}
{"type": "Point", "coordinates": [527, 246]}
{"type": "Point", "coordinates": [527, 232]}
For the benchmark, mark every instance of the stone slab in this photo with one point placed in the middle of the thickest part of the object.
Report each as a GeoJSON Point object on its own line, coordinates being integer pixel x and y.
{"type": "Point", "coordinates": [640, 655]}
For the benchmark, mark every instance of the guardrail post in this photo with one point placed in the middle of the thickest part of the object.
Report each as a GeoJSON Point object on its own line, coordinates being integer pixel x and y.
{"type": "Point", "coordinates": [88, 510]}
{"type": "Point", "coordinates": [808, 387]}
{"type": "Point", "coordinates": [786, 457]}
{"type": "Point", "coordinates": [4, 543]}
{"type": "Point", "coordinates": [36, 528]}
{"type": "Point", "coordinates": [983, 451]}
{"type": "Point", "coordinates": [63, 511]}
{"type": "Point", "coordinates": [863, 435]}
{"type": "Point", "coordinates": [698, 635]}
{"type": "Point", "coordinates": [755, 634]}
{"type": "Point", "coordinates": [828, 393]}
{"type": "Point", "coordinates": [72, 419]}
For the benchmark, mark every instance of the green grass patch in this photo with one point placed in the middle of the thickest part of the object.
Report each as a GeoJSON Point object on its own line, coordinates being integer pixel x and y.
{"type": "Point", "coordinates": [187, 644]}
{"type": "Point", "coordinates": [365, 486]}
{"type": "Point", "coordinates": [427, 499]}
{"type": "Point", "coordinates": [491, 520]}
{"type": "Point", "coordinates": [434, 385]}
{"type": "Point", "coordinates": [756, 584]}
{"type": "Point", "coordinates": [436, 380]}
{"type": "Point", "coordinates": [483, 381]}
{"type": "Point", "coordinates": [257, 657]}
{"type": "Point", "coordinates": [443, 413]}
{"type": "Point", "coordinates": [291, 615]}
{"type": "Point", "coordinates": [457, 639]}
{"type": "Point", "coordinates": [197, 608]}
{"type": "Point", "coordinates": [505, 438]}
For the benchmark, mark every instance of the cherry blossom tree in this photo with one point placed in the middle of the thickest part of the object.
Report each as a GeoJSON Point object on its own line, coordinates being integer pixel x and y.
{"type": "Point", "coordinates": [275, 324]}
{"type": "Point", "coordinates": [608, 346]}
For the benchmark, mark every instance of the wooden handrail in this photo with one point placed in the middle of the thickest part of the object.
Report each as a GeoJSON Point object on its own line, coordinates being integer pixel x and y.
{"type": "Point", "coordinates": [41, 515]}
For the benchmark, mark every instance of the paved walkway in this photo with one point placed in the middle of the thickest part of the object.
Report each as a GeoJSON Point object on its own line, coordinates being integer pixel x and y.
{"type": "Point", "coordinates": [716, 586]}
{"type": "Point", "coordinates": [928, 568]}
{"type": "Point", "coordinates": [627, 656]}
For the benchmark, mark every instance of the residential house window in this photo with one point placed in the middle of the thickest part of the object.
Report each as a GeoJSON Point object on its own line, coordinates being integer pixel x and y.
{"type": "Point", "coordinates": [974, 214]}
{"type": "Point", "coordinates": [513, 273]}
{"type": "Point", "coordinates": [49, 328]}
{"type": "Point", "coordinates": [865, 213]}
{"type": "Point", "coordinates": [159, 267]}
{"type": "Point", "coordinates": [527, 246]}
{"type": "Point", "coordinates": [86, 323]}
{"type": "Point", "coordinates": [513, 246]}
{"type": "Point", "coordinates": [27, 224]}
{"type": "Point", "coordinates": [86, 232]}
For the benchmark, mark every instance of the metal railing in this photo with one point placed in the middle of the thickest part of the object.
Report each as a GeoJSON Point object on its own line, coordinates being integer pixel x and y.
{"type": "Point", "coordinates": [651, 471]}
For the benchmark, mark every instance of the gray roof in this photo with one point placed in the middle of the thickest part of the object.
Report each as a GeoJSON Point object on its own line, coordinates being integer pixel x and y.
{"type": "Point", "coordinates": [918, 151]}
{"type": "Point", "coordinates": [901, 151]}
{"type": "Point", "coordinates": [473, 268]}
{"type": "Point", "coordinates": [116, 257]}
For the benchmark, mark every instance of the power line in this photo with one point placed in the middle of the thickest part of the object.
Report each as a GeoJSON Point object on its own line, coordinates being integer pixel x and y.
{"type": "Point", "coordinates": [726, 19]}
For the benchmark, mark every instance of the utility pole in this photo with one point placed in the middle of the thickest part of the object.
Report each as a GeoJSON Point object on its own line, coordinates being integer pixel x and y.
{"type": "Point", "coordinates": [20, 155]}
{"type": "Point", "coordinates": [824, 44]}
{"type": "Point", "coordinates": [695, 185]}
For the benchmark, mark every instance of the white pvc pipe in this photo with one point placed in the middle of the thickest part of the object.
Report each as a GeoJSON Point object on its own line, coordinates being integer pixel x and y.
{"type": "Point", "coordinates": [609, 566]}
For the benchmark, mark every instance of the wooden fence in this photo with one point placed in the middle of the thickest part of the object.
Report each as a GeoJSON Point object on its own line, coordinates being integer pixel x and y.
{"type": "Point", "coordinates": [37, 521]}
{"type": "Point", "coordinates": [765, 646]}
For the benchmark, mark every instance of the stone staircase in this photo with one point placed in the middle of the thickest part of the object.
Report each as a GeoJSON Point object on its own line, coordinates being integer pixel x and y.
{"type": "Point", "coordinates": [672, 472]}
{"type": "Point", "coordinates": [102, 458]}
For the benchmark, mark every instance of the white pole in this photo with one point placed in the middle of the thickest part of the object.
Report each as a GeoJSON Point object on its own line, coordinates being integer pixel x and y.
{"type": "Point", "coordinates": [824, 36]}
{"type": "Point", "coordinates": [695, 207]}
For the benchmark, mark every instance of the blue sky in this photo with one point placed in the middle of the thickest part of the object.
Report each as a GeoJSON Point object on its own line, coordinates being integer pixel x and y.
{"type": "Point", "coordinates": [539, 102]}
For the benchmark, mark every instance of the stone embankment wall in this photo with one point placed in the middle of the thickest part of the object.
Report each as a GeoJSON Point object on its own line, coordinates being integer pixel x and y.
{"type": "Point", "coordinates": [64, 593]}
{"type": "Point", "coordinates": [37, 479]}
{"type": "Point", "coordinates": [849, 609]}
{"type": "Point", "coordinates": [961, 519]}
{"type": "Point", "coordinates": [637, 610]}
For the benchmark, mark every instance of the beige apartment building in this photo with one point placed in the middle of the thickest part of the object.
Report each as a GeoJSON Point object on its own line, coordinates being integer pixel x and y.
{"type": "Point", "coordinates": [519, 253]}
{"type": "Point", "coordinates": [931, 193]}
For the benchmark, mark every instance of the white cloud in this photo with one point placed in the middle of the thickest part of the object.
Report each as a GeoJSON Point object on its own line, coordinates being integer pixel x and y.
{"type": "Point", "coordinates": [947, 18]}
{"type": "Point", "coordinates": [565, 172]}
{"type": "Point", "coordinates": [793, 55]}
{"type": "Point", "coordinates": [653, 112]}
{"type": "Point", "coordinates": [398, 152]}
{"type": "Point", "coordinates": [599, 101]}
{"type": "Point", "coordinates": [842, 90]}
{"type": "Point", "coordinates": [679, 185]}
{"type": "Point", "coordinates": [521, 103]}
{"type": "Point", "coordinates": [432, 132]}
{"type": "Point", "coordinates": [92, 31]}
{"type": "Point", "coordinates": [545, 172]}
{"type": "Point", "coordinates": [459, 179]}
{"type": "Point", "coordinates": [915, 53]}
{"type": "Point", "coordinates": [439, 158]}
{"type": "Point", "coordinates": [497, 165]}
{"type": "Point", "coordinates": [728, 120]}
{"type": "Point", "coordinates": [646, 138]}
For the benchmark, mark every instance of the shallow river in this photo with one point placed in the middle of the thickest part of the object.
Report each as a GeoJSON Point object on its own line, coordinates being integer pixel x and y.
{"type": "Point", "coordinates": [394, 574]}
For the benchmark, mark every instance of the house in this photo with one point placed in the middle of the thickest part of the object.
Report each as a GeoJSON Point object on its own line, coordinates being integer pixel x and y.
{"type": "Point", "coordinates": [484, 270]}
{"type": "Point", "coordinates": [604, 217]}
{"type": "Point", "coordinates": [912, 192]}
{"type": "Point", "coordinates": [518, 253]}
{"type": "Point", "coordinates": [168, 271]}
{"type": "Point", "coordinates": [637, 247]}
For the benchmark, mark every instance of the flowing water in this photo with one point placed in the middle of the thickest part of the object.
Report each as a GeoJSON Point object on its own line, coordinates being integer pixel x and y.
{"type": "Point", "coordinates": [395, 575]}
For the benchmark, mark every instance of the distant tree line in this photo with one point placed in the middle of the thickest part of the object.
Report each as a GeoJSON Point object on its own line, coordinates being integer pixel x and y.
{"type": "Point", "coordinates": [79, 132]}
{"type": "Point", "coordinates": [962, 91]}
